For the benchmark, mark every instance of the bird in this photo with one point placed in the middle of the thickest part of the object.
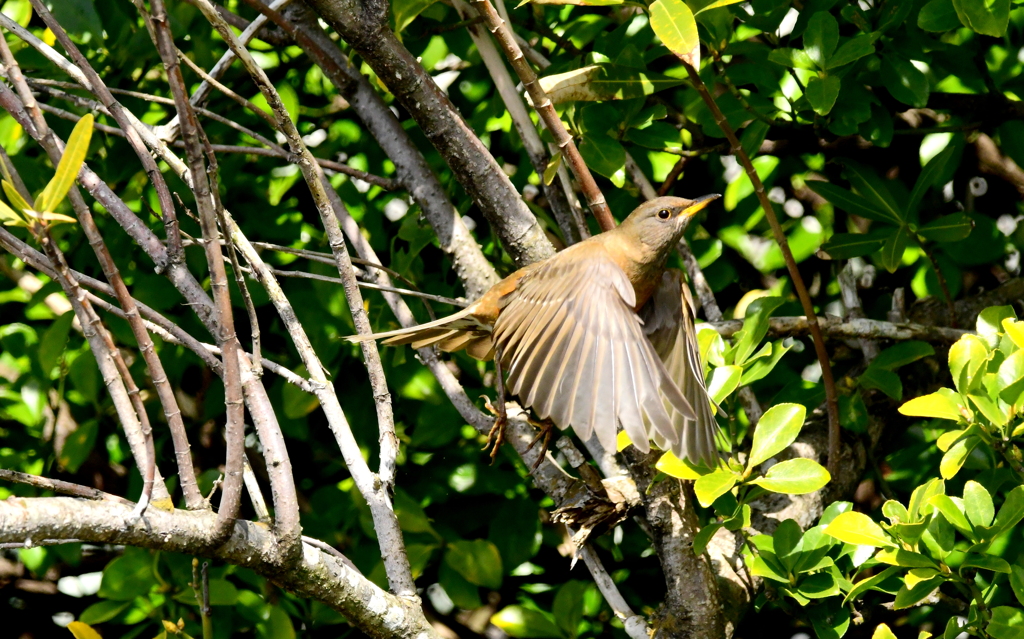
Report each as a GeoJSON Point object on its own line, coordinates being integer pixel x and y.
{"type": "Point", "coordinates": [599, 335]}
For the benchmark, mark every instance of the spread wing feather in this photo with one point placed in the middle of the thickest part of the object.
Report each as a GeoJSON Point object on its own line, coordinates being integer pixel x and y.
{"type": "Point", "coordinates": [575, 351]}
{"type": "Point", "coordinates": [668, 323]}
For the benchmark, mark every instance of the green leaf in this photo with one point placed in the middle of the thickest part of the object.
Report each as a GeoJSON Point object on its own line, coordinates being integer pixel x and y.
{"type": "Point", "coordinates": [989, 17]}
{"type": "Point", "coordinates": [919, 506]}
{"type": "Point", "coordinates": [858, 528]}
{"type": "Point", "coordinates": [967, 360]}
{"type": "Point", "coordinates": [68, 167]}
{"type": "Point", "coordinates": [938, 404]}
{"type": "Point", "coordinates": [794, 477]}
{"type": "Point", "coordinates": [883, 632]}
{"type": "Point", "coordinates": [674, 25]}
{"type": "Point", "coordinates": [9, 218]}
{"type": "Point", "coordinates": [930, 174]}
{"type": "Point", "coordinates": [703, 538]}
{"type": "Point", "coordinates": [818, 586]}
{"type": "Point", "coordinates": [105, 611]}
{"type": "Point", "coordinates": [678, 468]}
{"type": "Point", "coordinates": [851, 202]}
{"type": "Point", "coordinates": [954, 458]}
{"type": "Point", "coordinates": [904, 558]}
{"type": "Point", "coordinates": [755, 327]}
{"type": "Point", "coordinates": [948, 228]}
{"type": "Point", "coordinates": [938, 16]}
{"type": "Point", "coordinates": [907, 597]}
{"type": "Point", "coordinates": [478, 562]}
{"type": "Point", "coordinates": [791, 58]}
{"type": "Point", "coordinates": [776, 430]}
{"type": "Point", "coordinates": [873, 188]}
{"type": "Point", "coordinates": [19, 203]}
{"type": "Point", "coordinates": [905, 82]}
{"type": "Point", "coordinates": [603, 154]}
{"type": "Point", "coordinates": [604, 82]}
{"type": "Point", "coordinates": [822, 93]}
{"type": "Point", "coordinates": [821, 38]}
{"type": "Point", "coordinates": [1014, 329]}
{"type": "Point", "coordinates": [759, 368]}
{"type": "Point", "coordinates": [129, 576]}
{"type": "Point", "coordinates": [1007, 623]}
{"type": "Point", "coordinates": [525, 623]}
{"type": "Point", "coordinates": [724, 380]}
{"type": "Point", "coordinates": [986, 562]}
{"type": "Point", "coordinates": [843, 246]}
{"type": "Point", "coordinates": [81, 630]}
{"type": "Point", "coordinates": [892, 250]}
{"type": "Point", "coordinates": [716, 4]}
{"type": "Point", "coordinates": [1017, 583]}
{"type": "Point", "coordinates": [870, 583]}
{"type": "Point", "coordinates": [954, 514]}
{"type": "Point", "coordinates": [901, 354]}
{"type": "Point", "coordinates": [578, 3]}
{"type": "Point", "coordinates": [78, 445]}
{"type": "Point", "coordinates": [1010, 513]}
{"type": "Point", "coordinates": [883, 380]}
{"type": "Point", "coordinates": [1011, 377]}
{"type": "Point", "coordinates": [710, 487]}
{"type": "Point", "coordinates": [568, 605]}
{"type": "Point", "coordinates": [990, 323]}
{"type": "Point", "coordinates": [850, 51]}
{"type": "Point", "coordinates": [978, 504]}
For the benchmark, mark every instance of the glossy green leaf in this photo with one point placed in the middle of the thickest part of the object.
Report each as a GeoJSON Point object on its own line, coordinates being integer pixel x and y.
{"type": "Point", "coordinates": [859, 529]}
{"type": "Point", "coordinates": [952, 509]}
{"type": "Point", "coordinates": [68, 167]}
{"type": "Point", "coordinates": [938, 16]}
{"type": "Point", "coordinates": [1014, 329]}
{"type": "Point", "coordinates": [822, 93]}
{"type": "Point", "coordinates": [674, 25]}
{"type": "Point", "coordinates": [724, 380]}
{"type": "Point", "coordinates": [978, 504]}
{"type": "Point", "coordinates": [794, 477]}
{"type": "Point", "coordinates": [907, 597]}
{"type": "Point", "coordinates": [821, 38]}
{"type": "Point", "coordinates": [986, 562]}
{"type": "Point", "coordinates": [759, 368]}
{"type": "Point", "coordinates": [967, 360]}
{"type": "Point", "coordinates": [850, 51]}
{"type": "Point", "coordinates": [1017, 583]}
{"type": "Point", "coordinates": [1010, 513]}
{"type": "Point", "coordinates": [603, 154]}
{"type": "Point", "coordinates": [990, 323]}
{"type": "Point", "coordinates": [1006, 623]}
{"type": "Point", "coordinates": [710, 487]}
{"type": "Point", "coordinates": [988, 17]}
{"type": "Point", "coordinates": [954, 458]}
{"type": "Point", "coordinates": [9, 218]}
{"type": "Point", "coordinates": [904, 558]}
{"type": "Point", "coordinates": [777, 429]}
{"type": "Point", "coordinates": [901, 354]}
{"type": "Point", "coordinates": [17, 201]}
{"type": "Point", "coordinates": [1011, 377]}
{"type": "Point", "coordinates": [791, 58]}
{"type": "Point", "coordinates": [703, 538]}
{"type": "Point", "coordinates": [870, 583]}
{"type": "Point", "coordinates": [716, 4]}
{"type": "Point", "coordinates": [675, 467]}
{"type": "Point", "coordinates": [948, 228]}
{"type": "Point", "coordinates": [938, 404]}
{"type": "Point", "coordinates": [755, 327]}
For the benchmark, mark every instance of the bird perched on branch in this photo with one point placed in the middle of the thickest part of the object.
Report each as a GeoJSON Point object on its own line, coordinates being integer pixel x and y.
{"type": "Point", "coordinates": [598, 335]}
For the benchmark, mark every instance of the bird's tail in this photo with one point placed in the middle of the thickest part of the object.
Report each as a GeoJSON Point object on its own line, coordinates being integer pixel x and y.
{"type": "Point", "coordinates": [452, 333]}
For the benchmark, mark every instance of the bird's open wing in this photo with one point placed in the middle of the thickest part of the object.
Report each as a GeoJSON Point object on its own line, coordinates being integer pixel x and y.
{"type": "Point", "coordinates": [575, 351]}
{"type": "Point", "coordinates": [668, 323]}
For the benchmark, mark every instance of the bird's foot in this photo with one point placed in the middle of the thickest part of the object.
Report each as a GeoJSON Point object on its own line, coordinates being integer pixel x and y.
{"type": "Point", "coordinates": [496, 436]}
{"type": "Point", "coordinates": [547, 433]}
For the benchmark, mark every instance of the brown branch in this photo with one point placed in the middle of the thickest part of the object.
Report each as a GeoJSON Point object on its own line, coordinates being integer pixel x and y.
{"type": "Point", "coordinates": [59, 486]}
{"type": "Point", "coordinates": [831, 397]}
{"type": "Point", "coordinates": [546, 110]}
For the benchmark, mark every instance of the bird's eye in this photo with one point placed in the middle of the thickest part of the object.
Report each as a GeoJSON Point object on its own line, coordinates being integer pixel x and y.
{"type": "Point", "coordinates": [664, 214]}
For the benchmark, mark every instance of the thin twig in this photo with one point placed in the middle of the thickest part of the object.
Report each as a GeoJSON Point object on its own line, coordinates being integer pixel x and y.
{"type": "Point", "coordinates": [59, 486]}
{"type": "Point", "coordinates": [831, 397]}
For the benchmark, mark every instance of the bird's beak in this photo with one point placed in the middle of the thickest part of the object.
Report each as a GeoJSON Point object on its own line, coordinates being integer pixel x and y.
{"type": "Point", "coordinates": [699, 204]}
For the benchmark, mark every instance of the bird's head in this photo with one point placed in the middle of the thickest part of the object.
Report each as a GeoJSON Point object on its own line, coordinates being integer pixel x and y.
{"type": "Point", "coordinates": [659, 223]}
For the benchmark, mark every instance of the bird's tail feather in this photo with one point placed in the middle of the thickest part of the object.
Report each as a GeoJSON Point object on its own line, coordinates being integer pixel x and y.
{"type": "Point", "coordinates": [451, 333]}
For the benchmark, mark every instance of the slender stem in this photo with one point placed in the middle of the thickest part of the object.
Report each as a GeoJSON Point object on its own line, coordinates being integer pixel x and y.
{"type": "Point", "coordinates": [831, 397]}
{"type": "Point", "coordinates": [950, 306]}
{"type": "Point", "coordinates": [501, 31]}
{"type": "Point", "coordinates": [59, 486]}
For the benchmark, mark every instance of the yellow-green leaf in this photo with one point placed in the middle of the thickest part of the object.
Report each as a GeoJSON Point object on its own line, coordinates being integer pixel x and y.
{"type": "Point", "coordinates": [673, 23]}
{"type": "Point", "coordinates": [19, 203]}
{"type": "Point", "coordinates": [883, 632]}
{"type": "Point", "coordinates": [859, 529]}
{"type": "Point", "coordinates": [794, 477]}
{"type": "Point", "coordinates": [83, 631]}
{"type": "Point", "coordinates": [776, 430]}
{"type": "Point", "coordinates": [708, 488]}
{"type": "Point", "coordinates": [1014, 330]}
{"type": "Point", "coordinates": [69, 166]}
{"type": "Point", "coordinates": [8, 217]}
{"type": "Point", "coordinates": [716, 4]}
{"type": "Point", "coordinates": [937, 404]}
{"type": "Point", "coordinates": [675, 467]}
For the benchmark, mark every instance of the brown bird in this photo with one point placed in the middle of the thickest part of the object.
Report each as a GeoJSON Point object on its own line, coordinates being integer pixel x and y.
{"type": "Point", "coordinates": [598, 335]}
